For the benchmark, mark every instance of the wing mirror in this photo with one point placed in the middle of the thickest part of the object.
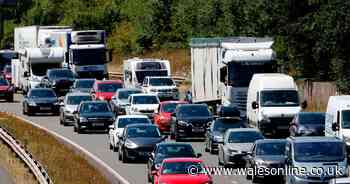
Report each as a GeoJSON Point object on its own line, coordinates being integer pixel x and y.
{"type": "Point", "coordinates": [26, 74]}
{"type": "Point", "coordinates": [164, 137]}
{"type": "Point", "coordinates": [255, 105]}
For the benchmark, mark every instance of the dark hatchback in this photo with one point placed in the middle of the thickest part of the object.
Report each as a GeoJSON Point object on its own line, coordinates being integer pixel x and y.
{"type": "Point", "coordinates": [41, 100]}
{"type": "Point", "coordinates": [308, 124]}
{"type": "Point", "coordinates": [168, 150]}
{"type": "Point", "coordinates": [190, 120]}
{"type": "Point", "coordinates": [93, 115]}
{"type": "Point", "coordinates": [59, 79]}
{"type": "Point", "coordinates": [216, 131]}
{"type": "Point", "coordinates": [267, 153]}
{"type": "Point", "coordinates": [138, 141]}
{"type": "Point", "coordinates": [83, 85]}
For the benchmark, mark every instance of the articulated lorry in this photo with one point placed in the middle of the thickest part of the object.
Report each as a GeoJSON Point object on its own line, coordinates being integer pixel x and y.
{"type": "Point", "coordinates": [223, 67]}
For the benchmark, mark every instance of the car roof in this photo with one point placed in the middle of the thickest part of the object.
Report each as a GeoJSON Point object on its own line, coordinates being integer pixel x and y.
{"type": "Point", "coordinates": [158, 77]}
{"type": "Point", "coordinates": [90, 79]}
{"type": "Point", "coordinates": [143, 94]}
{"type": "Point", "coordinates": [78, 94]}
{"type": "Point", "coordinates": [108, 81]}
{"type": "Point", "coordinates": [132, 116]}
{"type": "Point", "coordinates": [260, 141]}
{"type": "Point", "coordinates": [242, 130]}
{"type": "Point", "coordinates": [140, 125]}
{"type": "Point", "coordinates": [174, 101]}
{"type": "Point", "coordinates": [128, 89]}
{"type": "Point", "coordinates": [94, 102]}
{"type": "Point", "coordinates": [182, 159]}
{"type": "Point", "coordinates": [314, 139]}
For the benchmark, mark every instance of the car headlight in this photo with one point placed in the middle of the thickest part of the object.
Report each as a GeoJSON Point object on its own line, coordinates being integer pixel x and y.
{"type": "Point", "coordinates": [261, 163]}
{"type": "Point", "coordinates": [31, 103]}
{"type": "Point", "coordinates": [183, 123]}
{"type": "Point", "coordinates": [83, 119]}
{"type": "Point", "coordinates": [130, 144]}
{"type": "Point", "coordinates": [232, 151]}
{"type": "Point", "coordinates": [218, 138]}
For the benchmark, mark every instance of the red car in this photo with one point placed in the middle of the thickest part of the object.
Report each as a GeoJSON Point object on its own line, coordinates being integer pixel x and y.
{"type": "Point", "coordinates": [163, 117]}
{"type": "Point", "coordinates": [6, 90]}
{"type": "Point", "coordinates": [7, 73]}
{"type": "Point", "coordinates": [180, 171]}
{"type": "Point", "coordinates": [104, 90]}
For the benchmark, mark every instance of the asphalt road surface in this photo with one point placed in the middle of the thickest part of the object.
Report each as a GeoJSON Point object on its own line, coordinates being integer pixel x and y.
{"type": "Point", "coordinates": [96, 143]}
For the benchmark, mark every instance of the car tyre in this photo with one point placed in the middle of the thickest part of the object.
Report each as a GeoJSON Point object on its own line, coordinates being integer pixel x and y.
{"type": "Point", "coordinates": [119, 155]}
{"type": "Point", "coordinates": [124, 157]}
{"type": "Point", "coordinates": [79, 130]}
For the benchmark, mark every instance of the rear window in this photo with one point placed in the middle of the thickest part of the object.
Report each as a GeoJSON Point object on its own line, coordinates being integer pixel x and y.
{"type": "Point", "coordinates": [312, 118]}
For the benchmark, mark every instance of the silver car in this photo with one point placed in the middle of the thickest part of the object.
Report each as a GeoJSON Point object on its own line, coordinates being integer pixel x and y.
{"type": "Point", "coordinates": [237, 143]}
{"type": "Point", "coordinates": [120, 99]}
{"type": "Point", "coordinates": [70, 104]}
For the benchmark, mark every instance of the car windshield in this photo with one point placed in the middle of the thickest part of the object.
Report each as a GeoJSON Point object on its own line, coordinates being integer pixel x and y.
{"type": "Point", "coordinates": [41, 69]}
{"type": "Point", "coordinates": [345, 119]}
{"type": "Point", "coordinates": [181, 167]}
{"type": "Point", "coordinates": [122, 122]}
{"type": "Point", "coordinates": [145, 100]}
{"type": "Point", "coordinates": [175, 151]}
{"type": "Point", "coordinates": [194, 111]}
{"type": "Point", "coordinates": [161, 82]}
{"type": "Point", "coordinates": [222, 124]}
{"type": "Point", "coordinates": [319, 151]}
{"type": "Point", "coordinates": [75, 100]}
{"type": "Point", "coordinates": [279, 98]}
{"type": "Point", "coordinates": [94, 108]}
{"type": "Point", "coordinates": [244, 137]}
{"type": "Point", "coordinates": [169, 107]}
{"type": "Point", "coordinates": [84, 84]}
{"type": "Point", "coordinates": [109, 87]}
{"type": "Point", "coordinates": [58, 74]}
{"type": "Point", "coordinates": [3, 82]}
{"type": "Point", "coordinates": [312, 118]}
{"type": "Point", "coordinates": [144, 131]}
{"type": "Point", "coordinates": [124, 95]}
{"type": "Point", "coordinates": [42, 94]}
{"type": "Point", "coordinates": [271, 148]}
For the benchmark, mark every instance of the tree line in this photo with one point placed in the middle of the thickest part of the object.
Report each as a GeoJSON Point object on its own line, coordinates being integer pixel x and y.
{"type": "Point", "coordinates": [312, 36]}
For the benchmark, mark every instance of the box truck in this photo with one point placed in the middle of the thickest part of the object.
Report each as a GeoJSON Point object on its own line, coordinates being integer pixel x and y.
{"type": "Point", "coordinates": [223, 67]}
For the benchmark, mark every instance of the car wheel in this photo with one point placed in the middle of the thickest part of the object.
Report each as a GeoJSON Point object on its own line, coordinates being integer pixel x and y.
{"type": "Point", "coordinates": [211, 150]}
{"type": "Point", "coordinates": [79, 130]}
{"type": "Point", "coordinates": [119, 155]}
{"type": "Point", "coordinates": [10, 99]}
{"type": "Point", "coordinates": [110, 146]}
{"type": "Point", "coordinates": [23, 110]}
{"type": "Point", "coordinates": [124, 157]}
{"type": "Point", "coordinates": [29, 112]}
{"type": "Point", "coordinates": [75, 128]}
{"type": "Point", "coordinates": [219, 161]}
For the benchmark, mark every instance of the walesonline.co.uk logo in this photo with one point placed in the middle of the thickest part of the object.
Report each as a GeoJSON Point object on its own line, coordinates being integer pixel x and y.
{"type": "Point", "coordinates": [265, 171]}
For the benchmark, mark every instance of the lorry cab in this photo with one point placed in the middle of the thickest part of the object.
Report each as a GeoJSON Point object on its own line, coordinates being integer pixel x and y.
{"type": "Point", "coordinates": [272, 102]}
{"type": "Point", "coordinates": [338, 118]}
{"type": "Point", "coordinates": [136, 70]}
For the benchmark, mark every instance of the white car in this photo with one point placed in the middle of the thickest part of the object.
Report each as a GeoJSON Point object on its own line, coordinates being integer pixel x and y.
{"type": "Point", "coordinates": [340, 181]}
{"type": "Point", "coordinates": [120, 123]}
{"type": "Point", "coordinates": [163, 87]}
{"type": "Point", "coordinates": [144, 104]}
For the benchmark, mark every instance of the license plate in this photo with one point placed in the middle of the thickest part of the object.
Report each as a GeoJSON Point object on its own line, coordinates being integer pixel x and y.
{"type": "Point", "coordinates": [144, 154]}
{"type": "Point", "coordinates": [98, 124]}
{"type": "Point", "coordinates": [197, 129]}
{"type": "Point", "coordinates": [45, 108]}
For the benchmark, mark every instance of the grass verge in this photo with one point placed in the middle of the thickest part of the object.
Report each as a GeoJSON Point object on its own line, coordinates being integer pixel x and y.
{"type": "Point", "coordinates": [63, 165]}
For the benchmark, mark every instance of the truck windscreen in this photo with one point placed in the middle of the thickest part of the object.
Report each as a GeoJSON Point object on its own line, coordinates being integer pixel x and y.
{"type": "Point", "coordinates": [240, 74]}
{"type": "Point", "coordinates": [89, 56]}
{"type": "Point", "coordinates": [5, 59]}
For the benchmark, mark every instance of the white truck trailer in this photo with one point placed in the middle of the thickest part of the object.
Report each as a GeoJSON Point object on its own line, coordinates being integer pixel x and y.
{"type": "Point", "coordinates": [223, 67]}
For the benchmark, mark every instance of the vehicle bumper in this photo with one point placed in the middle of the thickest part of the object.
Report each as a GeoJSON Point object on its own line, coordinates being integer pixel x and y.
{"type": "Point", "coordinates": [164, 126]}
{"type": "Point", "coordinates": [298, 180]}
{"type": "Point", "coordinates": [95, 125]}
{"type": "Point", "coordinates": [44, 109]}
{"type": "Point", "coordinates": [7, 94]}
{"type": "Point", "coordinates": [139, 153]}
{"type": "Point", "coordinates": [68, 118]}
{"type": "Point", "coordinates": [189, 131]}
{"type": "Point", "coordinates": [168, 95]}
{"type": "Point", "coordinates": [148, 114]}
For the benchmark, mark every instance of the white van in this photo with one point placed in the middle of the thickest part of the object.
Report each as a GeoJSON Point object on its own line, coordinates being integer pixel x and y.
{"type": "Point", "coordinates": [338, 118]}
{"type": "Point", "coordinates": [272, 102]}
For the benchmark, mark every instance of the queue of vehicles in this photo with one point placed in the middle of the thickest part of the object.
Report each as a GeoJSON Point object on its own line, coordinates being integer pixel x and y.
{"type": "Point", "coordinates": [139, 110]}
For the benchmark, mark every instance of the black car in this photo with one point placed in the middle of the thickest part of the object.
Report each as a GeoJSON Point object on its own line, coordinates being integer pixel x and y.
{"type": "Point", "coordinates": [216, 131]}
{"type": "Point", "coordinates": [138, 141]}
{"type": "Point", "coordinates": [308, 124]}
{"type": "Point", "coordinates": [190, 120]}
{"type": "Point", "coordinates": [59, 79]}
{"type": "Point", "coordinates": [168, 150]}
{"type": "Point", "coordinates": [83, 85]}
{"type": "Point", "coordinates": [41, 100]}
{"type": "Point", "coordinates": [93, 115]}
{"type": "Point", "coordinates": [266, 153]}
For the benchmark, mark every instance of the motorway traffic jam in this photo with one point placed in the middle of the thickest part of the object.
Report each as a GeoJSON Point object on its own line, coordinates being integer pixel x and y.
{"type": "Point", "coordinates": [241, 110]}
